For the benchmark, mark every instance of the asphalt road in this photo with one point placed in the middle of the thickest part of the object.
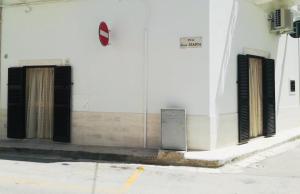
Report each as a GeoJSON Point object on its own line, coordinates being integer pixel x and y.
{"type": "Point", "coordinates": [272, 172]}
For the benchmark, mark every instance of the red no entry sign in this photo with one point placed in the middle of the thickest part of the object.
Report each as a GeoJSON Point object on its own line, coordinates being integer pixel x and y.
{"type": "Point", "coordinates": [103, 34]}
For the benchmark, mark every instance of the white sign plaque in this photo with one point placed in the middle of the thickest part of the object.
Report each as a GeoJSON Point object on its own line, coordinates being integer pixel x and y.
{"type": "Point", "coordinates": [191, 42]}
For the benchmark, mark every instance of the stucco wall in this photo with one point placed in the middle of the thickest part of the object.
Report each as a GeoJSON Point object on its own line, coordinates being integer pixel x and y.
{"type": "Point", "coordinates": [287, 68]}
{"type": "Point", "coordinates": [234, 26]}
{"type": "Point", "coordinates": [110, 83]}
{"type": "Point", "coordinates": [179, 77]}
{"type": "Point", "coordinates": [145, 69]}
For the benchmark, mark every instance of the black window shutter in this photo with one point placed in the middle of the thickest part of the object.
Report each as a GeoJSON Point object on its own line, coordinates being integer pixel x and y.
{"type": "Point", "coordinates": [243, 98]}
{"type": "Point", "coordinates": [16, 103]}
{"type": "Point", "coordinates": [62, 104]}
{"type": "Point", "coordinates": [269, 121]}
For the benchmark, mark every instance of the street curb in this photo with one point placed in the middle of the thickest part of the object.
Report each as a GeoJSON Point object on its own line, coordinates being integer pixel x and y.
{"type": "Point", "coordinates": [159, 159]}
{"type": "Point", "coordinates": [77, 155]}
{"type": "Point", "coordinates": [162, 157]}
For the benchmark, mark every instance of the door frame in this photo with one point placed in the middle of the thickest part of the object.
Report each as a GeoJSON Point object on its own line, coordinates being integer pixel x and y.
{"type": "Point", "coordinates": [243, 103]}
{"type": "Point", "coordinates": [62, 126]}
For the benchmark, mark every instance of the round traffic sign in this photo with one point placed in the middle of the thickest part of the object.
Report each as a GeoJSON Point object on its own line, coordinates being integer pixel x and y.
{"type": "Point", "coordinates": [103, 34]}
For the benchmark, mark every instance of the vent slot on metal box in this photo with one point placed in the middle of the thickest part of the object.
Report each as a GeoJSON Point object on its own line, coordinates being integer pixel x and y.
{"type": "Point", "coordinates": [173, 129]}
{"type": "Point", "coordinates": [277, 18]}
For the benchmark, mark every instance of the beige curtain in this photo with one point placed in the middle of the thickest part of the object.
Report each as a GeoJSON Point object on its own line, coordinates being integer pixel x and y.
{"type": "Point", "coordinates": [39, 102]}
{"type": "Point", "coordinates": [256, 96]}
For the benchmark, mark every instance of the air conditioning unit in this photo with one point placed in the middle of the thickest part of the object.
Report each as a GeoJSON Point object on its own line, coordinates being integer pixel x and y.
{"type": "Point", "coordinates": [282, 21]}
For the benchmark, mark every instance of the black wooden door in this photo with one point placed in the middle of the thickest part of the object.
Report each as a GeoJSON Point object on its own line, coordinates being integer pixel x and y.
{"type": "Point", "coordinates": [269, 104]}
{"type": "Point", "coordinates": [16, 103]}
{"type": "Point", "coordinates": [243, 98]}
{"type": "Point", "coordinates": [62, 104]}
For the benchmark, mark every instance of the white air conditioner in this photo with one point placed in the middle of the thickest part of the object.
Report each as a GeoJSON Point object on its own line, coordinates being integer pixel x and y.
{"type": "Point", "coordinates": [282, 21]}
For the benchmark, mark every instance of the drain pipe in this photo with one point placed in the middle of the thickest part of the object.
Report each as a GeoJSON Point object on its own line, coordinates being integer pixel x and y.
{"type": "Point", "coordinates": [146, 80]}
{"type": "Point", "coordinates": [146, 70]}
{"type": "Point", "coordinates": [1, 111]}
{"type": "Point", "coordinates": [299, 66]}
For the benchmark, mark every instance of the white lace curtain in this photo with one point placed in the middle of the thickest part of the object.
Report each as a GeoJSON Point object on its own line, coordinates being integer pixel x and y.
{"type": "Point", "coordinates": [39, 102]}
{"type": "Point", "coordinates": [256, 97]}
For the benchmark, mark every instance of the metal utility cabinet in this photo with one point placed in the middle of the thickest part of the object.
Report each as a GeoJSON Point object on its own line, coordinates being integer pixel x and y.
{"type": "Point", "coordinates": [173, 129]}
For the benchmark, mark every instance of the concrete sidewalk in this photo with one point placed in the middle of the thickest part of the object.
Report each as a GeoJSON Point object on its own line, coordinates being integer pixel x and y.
{"type": "Point", "coordinates": [212, 159]}
{"type": "Point", "coordinates": [221, 157]}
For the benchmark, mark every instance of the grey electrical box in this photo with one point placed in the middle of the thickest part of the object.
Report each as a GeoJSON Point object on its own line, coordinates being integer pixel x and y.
{"type": "Point", "coordinates": [173, 129]}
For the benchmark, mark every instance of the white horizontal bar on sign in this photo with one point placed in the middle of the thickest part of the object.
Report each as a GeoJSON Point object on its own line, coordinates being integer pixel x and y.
{"type": "Point", "coordinates": [105, 34]}
{"type": "Point", "coordinates": [35, 62]}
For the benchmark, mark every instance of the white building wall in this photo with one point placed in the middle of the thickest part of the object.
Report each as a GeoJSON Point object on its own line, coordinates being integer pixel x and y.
{"type": "Point", "coordinates": [287, 68]}
{"type": "Point", "coordinates": [109, 91]}
{"type": "Point", "coordinates": [179, 77]}
{"type": "Point", "coordinates": [234, 26]}
{"type": "Point", "coordinates": [144, 67]}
